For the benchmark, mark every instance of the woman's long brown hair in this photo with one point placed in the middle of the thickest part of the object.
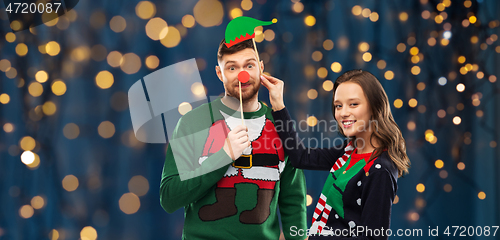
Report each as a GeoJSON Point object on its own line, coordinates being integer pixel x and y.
{"type": "Point", "coordinates": [387, 131]}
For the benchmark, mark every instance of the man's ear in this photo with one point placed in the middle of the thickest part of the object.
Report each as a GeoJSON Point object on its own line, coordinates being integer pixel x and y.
{"type": "Point", "coordinates": [262, 65]}
{"type": "Point", "coordinates": [218, 72]}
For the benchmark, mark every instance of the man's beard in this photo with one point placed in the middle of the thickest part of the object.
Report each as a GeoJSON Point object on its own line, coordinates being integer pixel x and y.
{"type": "Point", "coordinates": [246, 94]}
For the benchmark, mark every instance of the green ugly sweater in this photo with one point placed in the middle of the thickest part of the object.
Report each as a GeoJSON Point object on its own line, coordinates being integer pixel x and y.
{"type": "Point", "coordinates": [223, 199]}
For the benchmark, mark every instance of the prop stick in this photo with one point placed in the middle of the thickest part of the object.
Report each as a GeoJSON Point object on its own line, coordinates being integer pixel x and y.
{"type": "Point", "coordinates": [243, 77]}
{"type": "Point", "coordinates": [257, 53]}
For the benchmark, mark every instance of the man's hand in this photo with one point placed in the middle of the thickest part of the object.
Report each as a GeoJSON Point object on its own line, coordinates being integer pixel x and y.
{"type": "Point", "coordinates": [236, 141]}
{"type": "Point", "coordinates": [275, 87]}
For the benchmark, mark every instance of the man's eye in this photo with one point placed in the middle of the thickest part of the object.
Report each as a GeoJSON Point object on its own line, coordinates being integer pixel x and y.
{"type": "Point", "coordinates": [250, 66]}
{"type": "Point", "coordinates": [231, 68]}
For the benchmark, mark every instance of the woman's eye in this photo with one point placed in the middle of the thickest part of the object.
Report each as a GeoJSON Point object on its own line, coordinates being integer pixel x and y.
{"type": "Point", "coordinates": [354, 104]}
{"type": "Point", "coordinates": [338, 106]}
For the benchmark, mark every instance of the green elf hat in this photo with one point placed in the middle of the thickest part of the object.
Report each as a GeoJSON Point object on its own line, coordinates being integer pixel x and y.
{"type": "Point", "coordinates": [242, 28]}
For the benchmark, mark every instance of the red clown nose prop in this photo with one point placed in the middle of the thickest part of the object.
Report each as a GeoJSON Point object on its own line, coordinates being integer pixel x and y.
{"type": "Point", "coordinates": [243, 76]}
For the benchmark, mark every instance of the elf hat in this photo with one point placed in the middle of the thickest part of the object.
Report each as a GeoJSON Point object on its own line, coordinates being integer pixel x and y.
{"type": "Point", "coordinates": [242, 28]}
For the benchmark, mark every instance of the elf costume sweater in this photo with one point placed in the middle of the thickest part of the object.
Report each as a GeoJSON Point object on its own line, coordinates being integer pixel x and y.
{"type": "Point", "coordinates": [357, 197]}
{"type": "Point", "coordinates": [239, 200]}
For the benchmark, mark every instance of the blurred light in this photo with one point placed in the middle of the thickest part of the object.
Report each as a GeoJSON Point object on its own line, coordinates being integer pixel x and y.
{"type": "Point", "coordinates": [97, 19]}
{"type": "Point", "coordinates": [4, 65]}
{"type": "Point", "coordinates": [366, 12]}
{"type": "Point", "coordinates": [447, 187]}
{"type": "Point", "coordinates": [269, 35]}
{"type": "Point", "coordinates": [198, 89]}
{"type": "Point", "coordinates": [188, 21]}
{"type": "Point", "coordinates": [420, 187]}
{"type": "Point", "coordinates": [327, 85]}
{"type": "Point", "coordinates": [49, 108]}
{"type": "Point", "coordinates": [35, 89]}
{"type": "Point", "coordinates": [184, 108]}
{"type": "Point", "coordinates": [138, 185]}
{"type": "Point", "coordinates": [421, 86]}
{"type": "Point", "coordinates": [155, 27]}
{"type": "Point", "coordinates": [389, 75]}
{"type": "Point", "coordinates": [412, 102]}
{"type": "Point", "coordinates": [309, 200]}
{"type": "Point", "coordinates": [328, 44]}
{"type": "Point", "coordinates": [312, 121]}
{"type": "Point", "coordinates": [363, 46]}
{"type": "Point", "coordinates": [41, 76]}
{"type": "Point", "coordinates": [442, 81]}
{"type": "Point", "coordinates": [461, 59]}
{"type": "Point", "coordinates": [460, 166]}
{"type": "Point", "coordinates": [298, 7]}
{"type": "Point", "coordinates": [129, 203]}
{"type": "Point", "coordinates": [246, 5]}
{"type": "Point", "coordinates": [21, 49]}
{"type": "Point", "coordinates": [336, 67]}
{"type": "Point", "coordinates": [106, 129]}
{"type": "Point", "coordinates": [236, 12]}
{"type": "Point", "coordinates": [411, 125]}
{"type": "Point", "coordinates": [474, 39]}
{"type": "Point", "coordinates": [172, 38]}
{"type": "Point", "coordinates": [152, 62]}
{"type": "Point", "coordinates": [27, 143]}
{"type": "Point", "coordinates": [492, 78]}
{"type": "Point", "coordinates": [439, 163]}
{"type": "Point", "coordinates": [312, 94]}
{"type": "Point", "coordinates": [309, 71]}
{"type": "Point", "coordinates": [441, 113]}
{"type": "Point", "coordinates": [70, 183]}
{"type": "Point", "coordinates": [317, 56]}
{"type": "Point", "coordinates": [481, 195]}
{"type": "Point", "coordinates": [426, 14]}
{"type": "Point", "coordinates": [71, 131]}
{"type": "Point", "coordinates": [54, 235]}
{"type": "Point", "coordinates": [367, 56]}
{"type": "Point", "coordinates": [472, 19]}
{"type": "Point", "coordinates": [413, 216]}
{"type": "Point", "coordinates": [438, 19]}
{"type": "Point", "coordinates": [414, 51]}
{"type": "Point", "coordinates": [440, 7]}
{"type": "Point", "coordinates": [403, 16]}
{"type": "Point", "coordinates": [447, 35]}
{"type": "Point", "coordinates": [322, 72]}
{"type": "Point", "coordinates": [398, 103]}
{"type": "Point", "coordinates": [52, 48]}
{"type": "Point", "coordinates": [415, 59]}
{"type": "Point", "coordinates": [117, 24]}
{"type": "Point", "coordinates": [10, 37]}
{"type": "Point", "coordinates": [104, 79]}
{"type": "Point", "coordinates": [114, 59]}
{"type": "Point", "coordinates": [27, 157]}
{"type": "Point", "coordinates": [401, 47]}
{"type": "Point", "coordinates": [415, 70]}
{"type": "Point", "coordinates": [460, 87]}
{"type": "Point", "coordinates": [479, 113]}
{"type": "Point", "coordinates": [420, 203]}
{"type": "Point", "coordinates": [457, 120]}
{"type": "Point", "coordinates": [208, 13]}
{"type": "Point", "coordinates": [131, 63]}
{"type": "Point", "coordinates": [310, 21]}
{"type": "Point", "coordinates": [26, 211]}
{"type": "Point", "coordinates": [493, 144]}
{"type": "Point", "coordinates": [145, 9]}
{"type": "Point", "coordinates": [443, 174]}
{"type": "Point", "coordinates": [431, 41]}
{"type": "Point", "coordinates": [8, 127]}
{"type": "Point", "coordinates": [356, 10]}
{"type": "Point", "coordinates": [46, 16]}
{"type": "Point", "coordinates": [381, 64]}
{"type": "Point", "coordinates": [88, 233]}
{"type": "Point", "coordinates": [58, 87]}
{"type": "Point", "coordinates": [343, 42]}
{"type": "Point", "coordinates": [374, 17]}
{"type": "Point", "coordinates": [4, 98]}
{"type": "Point", "coordinates": [16, 25]}
{"type": "Point", "coordinates": [37, 202]}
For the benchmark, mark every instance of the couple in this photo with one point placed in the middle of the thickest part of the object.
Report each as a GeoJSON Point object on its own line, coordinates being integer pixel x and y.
{"type": "Point", "coordinates": [259, 174]}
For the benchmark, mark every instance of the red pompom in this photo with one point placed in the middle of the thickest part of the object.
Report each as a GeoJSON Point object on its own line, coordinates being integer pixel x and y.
{"type": "Point", "coordinates": [243, 76]}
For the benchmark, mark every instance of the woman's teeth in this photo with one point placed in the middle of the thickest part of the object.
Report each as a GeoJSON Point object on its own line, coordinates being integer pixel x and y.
{"type": "Point", "coordinates": [348, 123]}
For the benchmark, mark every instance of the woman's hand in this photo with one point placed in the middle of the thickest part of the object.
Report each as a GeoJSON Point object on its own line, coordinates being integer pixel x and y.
{"type": "Point", "coordinates": [275, 87]}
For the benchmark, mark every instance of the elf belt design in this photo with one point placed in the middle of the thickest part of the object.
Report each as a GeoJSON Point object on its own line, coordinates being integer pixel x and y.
{"type": "Point", "coordinates": [257, 160]}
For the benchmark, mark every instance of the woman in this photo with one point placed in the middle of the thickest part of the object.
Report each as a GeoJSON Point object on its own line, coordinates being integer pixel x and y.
{"type": "Point", "coordinates": [357, 197]}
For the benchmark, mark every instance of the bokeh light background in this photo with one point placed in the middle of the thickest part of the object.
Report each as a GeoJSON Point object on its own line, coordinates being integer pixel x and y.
{"type": "Point", "coordinates": [71, 167]}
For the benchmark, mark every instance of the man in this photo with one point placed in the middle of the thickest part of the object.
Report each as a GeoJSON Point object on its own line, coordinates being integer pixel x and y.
{"type": "Point", "coordinates": [240, 199]}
